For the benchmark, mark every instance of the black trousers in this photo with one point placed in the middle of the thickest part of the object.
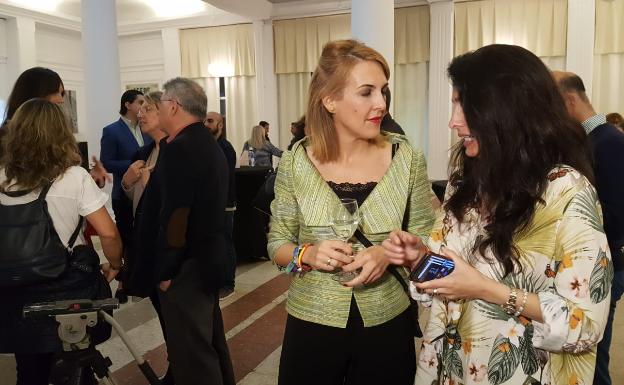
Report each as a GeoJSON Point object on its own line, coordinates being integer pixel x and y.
{"type": "Point", "coordinates": [123, 219]}
{"type": "Point", "coordinates": [196, 344]}
{"type": "Point", "coordinates": [315, 354]}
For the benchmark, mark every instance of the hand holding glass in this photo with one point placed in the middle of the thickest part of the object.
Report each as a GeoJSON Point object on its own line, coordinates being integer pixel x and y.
{"type": "Point", "coordinates": [344, 222]}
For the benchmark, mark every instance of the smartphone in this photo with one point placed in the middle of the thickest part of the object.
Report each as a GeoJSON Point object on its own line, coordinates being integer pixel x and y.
{"type": "Point", "coordinates": [432, 266]}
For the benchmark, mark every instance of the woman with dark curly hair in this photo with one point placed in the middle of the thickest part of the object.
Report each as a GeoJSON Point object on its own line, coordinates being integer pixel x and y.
{"type": "Point", "coordinates": [528, 299]}
{"type": "Point", "coordinates": [41, 157]}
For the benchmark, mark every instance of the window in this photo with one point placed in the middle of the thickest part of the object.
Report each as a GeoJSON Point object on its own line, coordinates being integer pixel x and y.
{"type": "Point", "coordinates": [222, 96]}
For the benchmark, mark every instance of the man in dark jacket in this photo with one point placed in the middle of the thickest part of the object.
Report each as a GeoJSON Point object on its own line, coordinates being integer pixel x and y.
{"type": "Point", "coordinates": [607, 144]}
{"type": "Point", "coordinates": [191, 255]}
{"type": "Point", "coordinates": [214, 123]}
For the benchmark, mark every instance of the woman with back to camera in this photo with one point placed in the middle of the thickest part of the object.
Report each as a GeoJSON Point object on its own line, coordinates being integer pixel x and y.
{"type": "Point", "coordinates": [40, 82]}
{"type": "Point", "coordinates": [361, 331]}
{"type": "Point", "coordinates": [528, 299]}
{"type": "Point", "coordinates": [263, 149]}
{"type": "Point", "coordinates": [40, 150]}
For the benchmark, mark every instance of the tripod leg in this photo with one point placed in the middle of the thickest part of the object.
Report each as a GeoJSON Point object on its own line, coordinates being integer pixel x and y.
{"type": "Point", "coordinates": [108, 380]}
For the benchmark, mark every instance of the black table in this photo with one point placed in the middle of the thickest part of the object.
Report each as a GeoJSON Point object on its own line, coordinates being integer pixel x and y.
{"type": "Point", "coordinates": [250, 224]}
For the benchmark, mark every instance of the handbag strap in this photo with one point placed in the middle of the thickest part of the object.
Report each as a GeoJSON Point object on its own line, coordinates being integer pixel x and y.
{"type": "Point", "coordinates": [391, 268]}
{"type": "Point", "coordinates": [74, 235]}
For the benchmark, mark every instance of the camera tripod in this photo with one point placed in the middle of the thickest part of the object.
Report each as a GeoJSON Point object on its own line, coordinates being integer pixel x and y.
{"type": "Point", "coordinates": [80, 360]}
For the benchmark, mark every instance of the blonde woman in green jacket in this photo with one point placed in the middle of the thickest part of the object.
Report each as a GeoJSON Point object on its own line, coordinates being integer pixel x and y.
{"type": "Point", "coordinates": [361, 331]}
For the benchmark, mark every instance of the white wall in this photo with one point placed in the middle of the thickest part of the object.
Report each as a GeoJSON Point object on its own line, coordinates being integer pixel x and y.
{"type": "Point", "coordinates": [60, 50]}
{"type": "Point", "coordinates": [141, 59]}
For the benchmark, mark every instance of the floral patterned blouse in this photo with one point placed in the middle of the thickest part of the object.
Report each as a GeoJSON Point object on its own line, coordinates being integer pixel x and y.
{"type": "Point", "coordinates": [566, 261]}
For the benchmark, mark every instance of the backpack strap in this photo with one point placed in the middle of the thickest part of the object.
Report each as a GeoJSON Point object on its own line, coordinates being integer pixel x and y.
{"type": "Point", "coordinates": [44, 191]}
{"type": "Point", "coordinates": [74, 236]}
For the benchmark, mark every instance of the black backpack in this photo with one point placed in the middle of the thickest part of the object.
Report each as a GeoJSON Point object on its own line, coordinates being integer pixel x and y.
{"type": "Point", "coordinates": [31, 251]}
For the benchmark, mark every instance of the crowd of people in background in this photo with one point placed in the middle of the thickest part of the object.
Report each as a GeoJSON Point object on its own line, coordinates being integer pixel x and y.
{"type": "Point", "coordinates": [532, 221]}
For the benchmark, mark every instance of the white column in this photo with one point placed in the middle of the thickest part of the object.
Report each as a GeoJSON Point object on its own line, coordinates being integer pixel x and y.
{"type": "Point", "coordinates": [266, 80]}
{"type": "Point", "coordinates": [102, 82]}
{"type": "Point", "coordinates": [171, 53]}
{"type": "Point", "coordinates": [440, 91]}
{"type": "Point", "coordinates": [21, 47]}
{"type": "Point", "coordinates": [372, 22]}
{"type": "Point", "coordinates": [580, 49]}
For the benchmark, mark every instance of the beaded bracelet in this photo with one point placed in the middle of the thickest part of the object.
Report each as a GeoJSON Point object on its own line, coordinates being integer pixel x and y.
{"type": "Point", "coordinates": [524, 301]}
{"type": "Point", "coordinates": [295, 265]}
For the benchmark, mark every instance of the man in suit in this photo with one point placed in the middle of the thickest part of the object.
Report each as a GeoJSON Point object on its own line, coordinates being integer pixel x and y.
{"type": "Point", "coordinates": [214, 123]}
{"type": "Point", "coordinates": [607, 144]}
{"type": "Point", "coordinates": [120, 141]}
{"type": "Point", "coordinates": [191, 255]}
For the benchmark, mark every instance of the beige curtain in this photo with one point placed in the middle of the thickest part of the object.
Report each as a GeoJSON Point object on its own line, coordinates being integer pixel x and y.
{"type": "Point", "coordinates": [537, 25]}
{"type": "Point", "coordinates": [411, 75]}
{"type": "Point", "coordinates": [241, 109]}
{"type": "Point", "coordinates": [608, 82]}
{"type": "Point", "coordinates": [218, 51]}
{"type": "Point", "coordinates": [292, 91]}
{"type": "Point", "coordinates": [555, 63]}
{"type": "Point", "coordinates": [211, 87]}
{"type": "Point", "coordinates": [411, 101]}
{"type": "Point", "coordinates": [298, 42]}
{"type": "Point", "coordinates": [228, 52]}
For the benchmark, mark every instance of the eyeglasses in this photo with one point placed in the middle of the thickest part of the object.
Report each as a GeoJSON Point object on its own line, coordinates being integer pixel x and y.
{"type": "Point", "coordinates": [171, 100]}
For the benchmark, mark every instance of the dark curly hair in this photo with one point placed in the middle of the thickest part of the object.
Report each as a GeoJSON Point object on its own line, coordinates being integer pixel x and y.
{"type": "Point", "coordinates": [38, 146]}
{"type": "Point", "coordinates": [513, 108]}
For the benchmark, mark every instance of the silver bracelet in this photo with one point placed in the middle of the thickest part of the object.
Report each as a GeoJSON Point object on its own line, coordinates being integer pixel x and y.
{"type": "Point", "coordinates": [524, 301]}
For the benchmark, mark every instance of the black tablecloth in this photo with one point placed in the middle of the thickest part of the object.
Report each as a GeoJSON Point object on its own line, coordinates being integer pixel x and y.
{"type": "Point", "coordinates": [250, 224]}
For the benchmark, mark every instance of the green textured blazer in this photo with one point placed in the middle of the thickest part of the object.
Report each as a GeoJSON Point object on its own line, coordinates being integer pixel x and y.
{"type": "Point", "coordinates": [301, 214]}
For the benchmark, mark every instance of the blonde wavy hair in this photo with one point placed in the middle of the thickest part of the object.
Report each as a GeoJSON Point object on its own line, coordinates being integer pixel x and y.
{"type": "Point", "coordinates": [330, 79]}
{"type": "Point", "coordinates": [38, 146]}
{"type": "Point", "coordinates": [257, 139]}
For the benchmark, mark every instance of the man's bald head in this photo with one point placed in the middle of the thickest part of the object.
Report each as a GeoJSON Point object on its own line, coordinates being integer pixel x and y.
{"type": "Point", "coordinates": [573, 91]}
{"type": "Point", "coordinates": [570, 82]}
{"type": "Point", "coordinates": [214, 122]}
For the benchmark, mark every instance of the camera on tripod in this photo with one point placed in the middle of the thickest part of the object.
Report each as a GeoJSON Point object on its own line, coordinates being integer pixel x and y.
{"type": "Point", "coordinates": [79, 359]}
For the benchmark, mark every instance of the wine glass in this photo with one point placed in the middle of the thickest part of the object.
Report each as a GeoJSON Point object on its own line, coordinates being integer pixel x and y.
{"type": "Point", "coordinates": [344, 222]}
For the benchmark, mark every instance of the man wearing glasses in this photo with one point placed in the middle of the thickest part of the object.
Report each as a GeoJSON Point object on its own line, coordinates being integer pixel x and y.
{"type": "Point", "coordinates": [190, 261]}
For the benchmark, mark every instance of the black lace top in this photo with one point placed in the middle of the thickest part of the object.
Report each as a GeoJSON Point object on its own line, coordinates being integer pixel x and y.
{"type": "Point", "coordinates": [357, 191]}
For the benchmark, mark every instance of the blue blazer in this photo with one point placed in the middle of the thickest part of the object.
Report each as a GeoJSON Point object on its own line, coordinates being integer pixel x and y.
{"type": "Point", "coordinates": [117, 148]}
{"type": "Point", "coordinates": [607, 143]}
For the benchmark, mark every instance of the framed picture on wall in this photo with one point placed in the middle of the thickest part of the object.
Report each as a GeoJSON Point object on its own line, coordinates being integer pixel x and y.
{"type": "Point", "coordinates": [144, 88]}
{"type": "Point", "coordinates": [71, 109]}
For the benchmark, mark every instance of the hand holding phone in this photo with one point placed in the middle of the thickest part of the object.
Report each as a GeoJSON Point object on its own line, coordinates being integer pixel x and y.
{"type": "Point", "coordinates": [432, 266]}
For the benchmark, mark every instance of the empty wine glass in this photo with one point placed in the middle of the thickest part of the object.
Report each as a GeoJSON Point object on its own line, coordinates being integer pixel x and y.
{"type": "Point", "coordinates": [345, 220]}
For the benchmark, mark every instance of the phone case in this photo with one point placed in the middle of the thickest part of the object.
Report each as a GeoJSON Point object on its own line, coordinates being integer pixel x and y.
{"type": "Point", "coordinates": [432, 266]}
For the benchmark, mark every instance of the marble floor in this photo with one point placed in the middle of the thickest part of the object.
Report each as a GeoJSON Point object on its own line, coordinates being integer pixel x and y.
{"type": "Point", "coordinates": [254, 319]}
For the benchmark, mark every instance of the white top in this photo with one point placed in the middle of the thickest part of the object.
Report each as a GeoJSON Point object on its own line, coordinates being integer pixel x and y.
{"type": "Point", "coordinates": [72, 195]}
